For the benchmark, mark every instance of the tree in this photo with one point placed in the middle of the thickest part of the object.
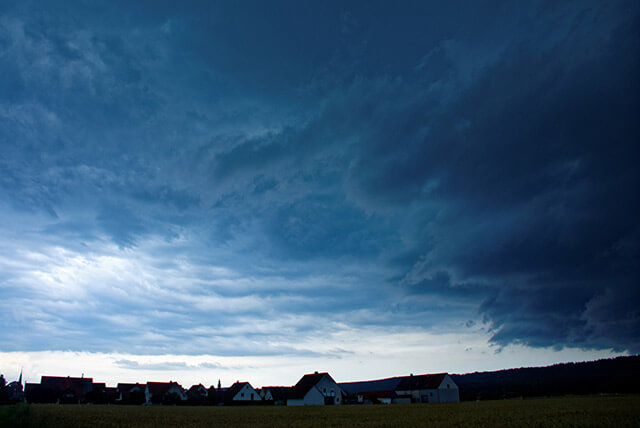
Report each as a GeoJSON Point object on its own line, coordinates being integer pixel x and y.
{"type": "Point", "coordinates": [4, 394]}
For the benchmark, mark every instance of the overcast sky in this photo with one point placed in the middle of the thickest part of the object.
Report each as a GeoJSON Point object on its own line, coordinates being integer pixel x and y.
{"type": "Point", "coordinates": [255, 190]}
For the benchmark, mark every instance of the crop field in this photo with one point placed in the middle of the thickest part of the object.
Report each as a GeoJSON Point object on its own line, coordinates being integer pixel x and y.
{"type": "Point", "coordinates": [591, 411]}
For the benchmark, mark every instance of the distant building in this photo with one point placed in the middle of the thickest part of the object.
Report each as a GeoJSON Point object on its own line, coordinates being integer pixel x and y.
{"type": "Point", "coordinates": [131, 393]}
{"type": "Point", "coordinates": [241, 393]}
{"type": "Point", "coordinates": [164, 392]}
{"type": "Point", "coordinates": [315, 389]}
{"type": "Point", "coordinates": [197, 394]}
{"type": "Point", "coordinates": [275, 394]}
{"type": "Point", "coordinates": [429, 388]}
{"type": "Point", "coordinates": [14, 389]}
{"type": "Point", "coordinates": [375, 397]}
{"type": "Point", "coordinates": [57, 389]}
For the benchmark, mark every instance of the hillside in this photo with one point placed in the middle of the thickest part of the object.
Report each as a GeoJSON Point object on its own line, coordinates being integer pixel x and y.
{"type": "Point", "coordinates": [615, 375]}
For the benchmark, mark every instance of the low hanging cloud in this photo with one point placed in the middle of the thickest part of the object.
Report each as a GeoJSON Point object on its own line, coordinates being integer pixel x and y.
{"type": "Point", "coordinates": [165, 365]}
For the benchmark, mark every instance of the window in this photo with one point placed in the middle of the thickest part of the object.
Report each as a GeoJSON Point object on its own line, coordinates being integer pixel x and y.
{"type": "Point", "coordinates": [448, 386]}
{"type": "Point", "coordinates": [242, 394]}
{"type": "Point", "coordinates": [252, 395]}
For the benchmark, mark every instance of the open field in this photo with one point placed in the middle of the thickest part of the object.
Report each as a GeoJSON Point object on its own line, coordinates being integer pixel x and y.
{"type": "Point", "coordinates": [591, 411]}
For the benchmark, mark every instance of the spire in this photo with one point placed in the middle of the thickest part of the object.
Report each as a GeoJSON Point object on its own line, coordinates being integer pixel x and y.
{"type": "Point", "coordinates": [20, 378]}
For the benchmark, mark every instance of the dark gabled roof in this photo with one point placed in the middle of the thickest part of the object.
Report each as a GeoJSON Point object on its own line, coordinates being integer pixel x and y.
{"type": "Point", "coordinates": [161, 387]}
{"type": "Point", "coordinates": [389, 383]}
{"type": "Point", "coordinates": [305, 384]}
{"type": "Point", "coordinates": [127, 387]}
{"type": "Point", "coordinates": [428, 381]}
{"type": "Point", "coordinates": [198, 387]}
{"type": "Point", "coordinates": [32, 387]}
{"type": "Point", "coordinates": [99, 387]}
{"type": "Point", "coordinates": [78, 385]}
{"type": "Point", "coordinates": [278, 393]}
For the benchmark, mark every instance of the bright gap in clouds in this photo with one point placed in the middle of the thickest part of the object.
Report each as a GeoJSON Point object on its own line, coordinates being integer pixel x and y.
{"type": "Point", "coordinates": [377, 363]}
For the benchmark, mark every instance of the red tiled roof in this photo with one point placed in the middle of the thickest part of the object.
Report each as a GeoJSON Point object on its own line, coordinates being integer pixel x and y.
{"type": "Point", "coordinates": [127, 387]}
{"type": "Point", "coordinates": [428, 381]}
{"type": "Point", "coordinates": [77, 385]}
{"type": "Point", "coordinates": [161, 387]}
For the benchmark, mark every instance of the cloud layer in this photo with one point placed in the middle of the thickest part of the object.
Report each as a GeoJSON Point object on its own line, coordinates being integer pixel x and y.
{"type": "Point", "coordinates": [255, 180]}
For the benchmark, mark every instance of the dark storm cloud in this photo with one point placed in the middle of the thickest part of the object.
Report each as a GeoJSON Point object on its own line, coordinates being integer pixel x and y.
{"type": "Point", "coordinates": [288, 165]}
{"type": "Point", "coordinates": [533, 169]}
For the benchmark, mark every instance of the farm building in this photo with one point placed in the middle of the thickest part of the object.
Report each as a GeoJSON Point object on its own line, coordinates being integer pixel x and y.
{"type": "Point", "coordinates": [315, 389]}
{"type": "Point", "coordinates": [429, 388]}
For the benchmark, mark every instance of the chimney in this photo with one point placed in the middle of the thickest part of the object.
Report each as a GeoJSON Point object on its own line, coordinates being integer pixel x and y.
{"type": "Point", "coordinates": [316, 372]}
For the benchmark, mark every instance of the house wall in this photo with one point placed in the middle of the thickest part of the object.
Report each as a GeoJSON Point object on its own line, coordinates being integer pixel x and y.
{"type": "Point", "coordinates": [245, 394]}
{"type": "Point", "coordinates": [313, 398]}
{"type": "Point", "coordinates": [448, 391]}
{"type": "Point", "coordinates": [428, 396]}
{"type": "Point", "coordinates": [330, 388]}
{"type": "Point", "coordinates": [178, 390]}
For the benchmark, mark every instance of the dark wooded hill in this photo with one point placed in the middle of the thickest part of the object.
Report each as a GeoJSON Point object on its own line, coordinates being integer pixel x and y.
{"type": "Point", "coordinates": [615, 375]}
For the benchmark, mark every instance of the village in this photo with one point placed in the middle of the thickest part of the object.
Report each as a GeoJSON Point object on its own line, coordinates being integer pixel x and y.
{"type": "Point", "coordinates": [316, 389]}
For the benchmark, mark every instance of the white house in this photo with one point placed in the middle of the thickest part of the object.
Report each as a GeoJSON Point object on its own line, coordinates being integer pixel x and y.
{"type": "Point", "coordinates": [157, 391]}
{"type": "Point", "coordinates": [315, 389]}
{"type": "Point", "coordinates": [241, 392]}
{"type": "Point", "coordinates": [429, 388]}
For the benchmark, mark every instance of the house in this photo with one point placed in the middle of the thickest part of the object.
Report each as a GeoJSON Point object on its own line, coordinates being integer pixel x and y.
{"type": "Point", "coordinates": [131, 393]}
{"type": "Point", "coordinates": [275, 394]}
{"type": "Point", "coordinates": [376, 397]}
{"type": "Point", "coordinates": [315, 389]}
{"type": "Point", "coordinates": [428, 388]}
{"type": "Point", "coordinates": [164, 393]}
{"type": "Point", "coordinates": [14, 389]}
{"type": "Point", "coordinates": [241, 393]}
{"type": "Point", "coordinates": [102, 394]}
{"type": "Point", "coordinates": [65, 389]}
{"type": "Point", "coordinates": [36, 393]}
{"type": "Point", "coordinates": [197, 394]}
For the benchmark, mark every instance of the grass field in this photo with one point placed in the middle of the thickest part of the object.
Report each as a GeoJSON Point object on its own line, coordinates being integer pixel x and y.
{"type": "Point", "coordinates": [591, 411]}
